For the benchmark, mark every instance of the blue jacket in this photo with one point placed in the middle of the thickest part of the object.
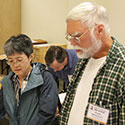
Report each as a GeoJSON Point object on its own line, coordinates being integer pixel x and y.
{"type": "Point", "coordinates": [69, 68]}
{"type": "Point", "coordinates": [33, 110]}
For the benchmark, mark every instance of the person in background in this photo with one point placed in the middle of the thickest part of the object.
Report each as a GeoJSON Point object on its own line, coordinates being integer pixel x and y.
{"type": "Point", "coordinates": [96, 92]}
{"type": "Point", "coordinates": [28, 94]}
{"type": "Point", "coordinates": [61, 63]}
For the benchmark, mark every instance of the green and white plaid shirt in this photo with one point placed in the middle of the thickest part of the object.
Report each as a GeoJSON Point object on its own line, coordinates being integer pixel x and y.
{"type": "Point", "coordinates": [108, 89]}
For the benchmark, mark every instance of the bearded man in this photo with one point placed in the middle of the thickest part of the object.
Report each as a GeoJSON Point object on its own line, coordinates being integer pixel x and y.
{"type": "Point", "coordinates": [96, 92]}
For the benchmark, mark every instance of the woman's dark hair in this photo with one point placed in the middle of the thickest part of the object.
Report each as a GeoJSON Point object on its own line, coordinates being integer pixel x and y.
{"type": "Point", "coordinates": [20, 44]}
{"type": "Point", "coordinates": [55, 52]}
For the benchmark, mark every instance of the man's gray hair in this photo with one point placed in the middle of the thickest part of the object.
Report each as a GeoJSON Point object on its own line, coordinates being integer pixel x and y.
{"type": "Point", "coordinates": [90, 14]}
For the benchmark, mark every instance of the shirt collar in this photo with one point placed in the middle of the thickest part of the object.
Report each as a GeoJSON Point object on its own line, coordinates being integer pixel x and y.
{"type": "Point", "coordinates": [69, 65]}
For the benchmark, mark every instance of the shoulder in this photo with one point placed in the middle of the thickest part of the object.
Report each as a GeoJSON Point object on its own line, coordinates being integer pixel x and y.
{"type": "Point", "coordinates": [49, 82]}
{"type": "Point", "coordinates": [71, 51]}
{"type": "Point", "coordinates": [46, 74]}
{"type": "Point", "coordinates": [72, 54]}
{"type": "Point", "coordinates": [117, 50]}
{"type": "Point", "coordinates": [7, 78]}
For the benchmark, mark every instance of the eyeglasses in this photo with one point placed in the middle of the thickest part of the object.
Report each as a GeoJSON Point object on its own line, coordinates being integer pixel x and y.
{"type": "Point", "coordinates": [72, 36]}
{"type": "Point", "coordinates": [19, 61]}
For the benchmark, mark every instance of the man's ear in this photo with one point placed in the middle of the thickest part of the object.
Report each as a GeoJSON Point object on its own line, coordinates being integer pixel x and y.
{"type": "Point", "coordinates": [99, 30]}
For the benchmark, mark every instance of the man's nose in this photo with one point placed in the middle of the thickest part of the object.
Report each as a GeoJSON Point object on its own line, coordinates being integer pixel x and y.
{"type": "Point", "coordinates": [72, 42]}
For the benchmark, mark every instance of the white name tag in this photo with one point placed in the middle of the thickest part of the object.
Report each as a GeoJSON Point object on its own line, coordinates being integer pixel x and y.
{"type": "Point", "coordinates": [98, 114]}
{"type": "Point", "coordinates": [69, 77]}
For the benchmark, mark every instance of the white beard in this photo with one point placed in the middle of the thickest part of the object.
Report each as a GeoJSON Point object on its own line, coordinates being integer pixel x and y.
{"type": "Point", "coordinates": [96, 45]}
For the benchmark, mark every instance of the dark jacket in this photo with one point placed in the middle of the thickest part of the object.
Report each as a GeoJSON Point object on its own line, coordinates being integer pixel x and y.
{"type": "Point", "coordinates": [33, 110]}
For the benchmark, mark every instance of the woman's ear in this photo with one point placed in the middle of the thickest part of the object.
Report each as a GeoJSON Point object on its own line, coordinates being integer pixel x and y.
{"type": "Point", "coordinates": [31, 57]}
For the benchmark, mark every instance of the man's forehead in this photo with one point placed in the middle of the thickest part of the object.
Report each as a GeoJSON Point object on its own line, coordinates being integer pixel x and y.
{"type": "Point", "coordinates": [74, 26]}
{"type": "Point", "coordinates": [54, 63]}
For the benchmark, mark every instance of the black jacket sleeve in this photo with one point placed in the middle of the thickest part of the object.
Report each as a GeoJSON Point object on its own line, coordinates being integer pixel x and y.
{"type": "Point", "coordinates": [2, 111]}
{"type": "Point", "coordinates": [48, 101]}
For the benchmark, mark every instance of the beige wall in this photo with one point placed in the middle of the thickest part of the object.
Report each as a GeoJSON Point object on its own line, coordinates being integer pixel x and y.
{"type": "Point", "coordinates": [10, 20]}
{"type": "Point", "coordinates": [45, 19]}
{"type": "Point", "coordinates": [116, 11]}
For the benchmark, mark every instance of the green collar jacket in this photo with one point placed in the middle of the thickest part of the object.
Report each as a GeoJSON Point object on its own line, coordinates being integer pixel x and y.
{"type": "Point", "coordinates": [33, 109]}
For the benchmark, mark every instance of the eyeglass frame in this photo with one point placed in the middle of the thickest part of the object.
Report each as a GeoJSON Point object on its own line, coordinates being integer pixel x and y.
{"type": "Point", "coordinates": [75, 38]}
{"type": "Point", "coordinates": [16, 62]}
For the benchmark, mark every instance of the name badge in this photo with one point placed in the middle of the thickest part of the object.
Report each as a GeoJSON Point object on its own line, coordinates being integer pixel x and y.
{"type": "Point", "coordinates": [69, 77]}
{"type": "Point", "coordinates": [98, 114]}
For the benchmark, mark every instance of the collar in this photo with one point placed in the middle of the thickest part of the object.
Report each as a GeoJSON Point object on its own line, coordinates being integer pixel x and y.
{"type": "Point", "coordinates": [70, 60]}
{"type": "Point", "coordinates": [35, 79]}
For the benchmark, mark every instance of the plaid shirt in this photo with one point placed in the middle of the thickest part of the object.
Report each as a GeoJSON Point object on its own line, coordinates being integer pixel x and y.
{"type": "Point", "coordinates": [108, 89]}
{"type": "Point", "coordinates": [17, 89]}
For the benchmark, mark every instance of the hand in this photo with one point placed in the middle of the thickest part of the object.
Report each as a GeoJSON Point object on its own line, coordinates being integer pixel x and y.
{"type": "Point", "coordinates": [0, 86]}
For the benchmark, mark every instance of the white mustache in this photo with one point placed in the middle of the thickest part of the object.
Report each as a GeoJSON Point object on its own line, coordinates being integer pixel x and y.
{"type": "Point", "coordinates": [89, 52]}
{"type": "Point", "coordinates": [83, 52]}
{"type": "Point", "coordinates": [77, 47]}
